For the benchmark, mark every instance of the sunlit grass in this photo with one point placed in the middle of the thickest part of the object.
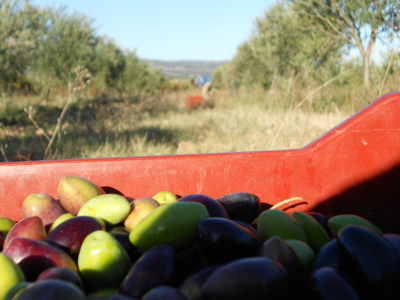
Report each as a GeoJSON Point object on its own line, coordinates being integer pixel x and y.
{"type": "Point", "coordinates": [134, 146]}
{"type": "Point", "coordinates": [121, 126]}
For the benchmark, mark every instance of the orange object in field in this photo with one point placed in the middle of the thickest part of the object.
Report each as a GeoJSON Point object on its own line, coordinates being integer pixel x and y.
{"type": "Point", "coordinates": [192, 101]}
{"type": "Point", "coordinates": [354, 168]}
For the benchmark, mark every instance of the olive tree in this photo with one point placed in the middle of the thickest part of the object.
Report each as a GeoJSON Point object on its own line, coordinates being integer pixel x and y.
{"type": "Point", "coordinates": [67, 41]}
{"type": "Point", "coordinates": [358, 23]}
{"type": "Point", "coordinates": [109, 64]}
{"type": "Point", "coordinates": [20, 28]}
{"type": "Point", "coordinates": [281, 44]}
{"type": "Point", "coordinates": [140, 77]}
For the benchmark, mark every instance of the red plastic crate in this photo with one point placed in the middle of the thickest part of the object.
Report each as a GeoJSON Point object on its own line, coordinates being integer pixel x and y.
{"type": "Point", "coordinates": [353, 168]}
{"type": "Point", "coordinates": [193, 101]}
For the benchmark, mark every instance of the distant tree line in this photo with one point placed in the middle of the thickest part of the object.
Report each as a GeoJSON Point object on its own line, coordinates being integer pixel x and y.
{"type": "Point", "coordinates": [303, 39]}
{"type": "Point", "coordinates": [40, 47]}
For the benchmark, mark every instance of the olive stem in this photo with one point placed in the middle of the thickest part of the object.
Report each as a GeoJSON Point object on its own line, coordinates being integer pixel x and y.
{"type": "Point", "coordinates": [286, 201]}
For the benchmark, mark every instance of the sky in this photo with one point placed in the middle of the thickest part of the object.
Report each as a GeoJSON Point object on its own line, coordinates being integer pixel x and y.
{"type": "Point", "coordinates": [176, 29]}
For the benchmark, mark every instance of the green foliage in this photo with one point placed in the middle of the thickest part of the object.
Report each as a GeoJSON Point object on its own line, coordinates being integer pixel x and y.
{"type": "Point", "coordinates": [41, 47]}
{"type": "Point", "coordinates": [391, 61]}
{"type": "Point", "coordinates": [11, 116]}
{"type": "Point", "coordinates": [20, 26]}
{"type": "Point", "coordinates": [66, 42]}
{"type": "Point", "coordinates": [283, 45]}
{"type": "Point", "coordinates": [250, 70]}
{"type": "Point", "coordinates": [109, 64]}
{"type": "Point", "coordinates": [140, 77]}
{"type": "Point", "coordinates": [222, 76]}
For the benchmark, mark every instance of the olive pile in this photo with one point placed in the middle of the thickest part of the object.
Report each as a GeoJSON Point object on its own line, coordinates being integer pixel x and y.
{"type": "Point", "coordinates": [92, 245]}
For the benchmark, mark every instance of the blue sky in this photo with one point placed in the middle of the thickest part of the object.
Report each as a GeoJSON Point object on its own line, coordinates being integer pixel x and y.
{"type": "Point", "coordinates": [175, 29]}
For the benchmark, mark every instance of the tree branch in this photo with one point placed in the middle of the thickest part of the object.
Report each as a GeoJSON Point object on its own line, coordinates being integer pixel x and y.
{"type": "Point", "coordinates": [354, 32]}
{"type": "Point", "coordinates": [3, 152]}
{"type": "Point", "coordinates": [40, 130]}
{"type": "Point", "coordinates": [340, 34]}
{"type": "Point", "coordinates": [336, 6]}
{"type": "Point", "coordinates": [371, 44]}
{"type": "Point", "coordinates": [60, 120]}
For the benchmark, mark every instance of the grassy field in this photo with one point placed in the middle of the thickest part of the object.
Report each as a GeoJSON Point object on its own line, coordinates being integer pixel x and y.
{"type": "Point", "coordinates": [106, 126]}
{"type": "Point", "coordinates": [158, 126]}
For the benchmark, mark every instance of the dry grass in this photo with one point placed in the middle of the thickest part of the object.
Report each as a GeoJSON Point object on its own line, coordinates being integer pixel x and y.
{"type": "Point", "coordinates": [161, 125]}
{"type": "Point", "coordinates": [232, 126]}
{"type": "Point", "coordinates": [237, 126]}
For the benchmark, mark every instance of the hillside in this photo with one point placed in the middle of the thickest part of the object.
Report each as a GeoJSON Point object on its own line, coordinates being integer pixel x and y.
{"type": "Point", "coordinates": [182, 68]}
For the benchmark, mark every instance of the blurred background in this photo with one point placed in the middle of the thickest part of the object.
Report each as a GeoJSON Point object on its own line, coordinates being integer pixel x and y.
{"type": "Point", "coordinates": [89, 79]}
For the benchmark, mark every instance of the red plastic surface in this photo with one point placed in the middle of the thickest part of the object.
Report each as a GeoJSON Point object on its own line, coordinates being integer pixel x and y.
{"type": "Point", "coordinates": [192, 101]}
{"type": "Point", "coordinates": [353, 168]}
